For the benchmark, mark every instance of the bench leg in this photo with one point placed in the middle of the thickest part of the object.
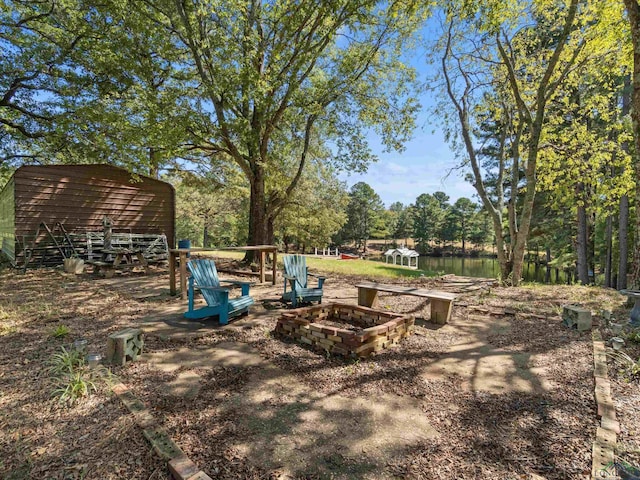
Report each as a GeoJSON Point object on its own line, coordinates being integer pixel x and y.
{"type": "Point", "coordinates": [107, 272]}
{"type": "Point", "coordinates": [441, 310]}
{"type": "Point", "coordinates": [367, 297]}
{"type": "Point", "coordinates": [143, 262]}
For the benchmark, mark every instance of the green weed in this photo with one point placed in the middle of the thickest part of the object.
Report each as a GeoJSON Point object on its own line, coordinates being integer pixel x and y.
{"type": "Point", "coordinates": [74, 386]}
{"type": "Point", "coordinates": [351, 369]}
{"type": "Point", "coordinates": [520, 307]}
{"type": "Point", "coordinates": [66, 362]}
{"type": "Point", "coordinates": [629, 367]}
{"type": "Point", "coordinates": [60, 331]}
{"type": "Point", "coordinates": [633, 337]}
{"type": "Point", "coordinates": [73, 379]}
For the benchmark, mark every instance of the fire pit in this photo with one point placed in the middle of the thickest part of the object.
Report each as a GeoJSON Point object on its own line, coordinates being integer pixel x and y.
{"type": "Point", "coordinates": [348, 330]}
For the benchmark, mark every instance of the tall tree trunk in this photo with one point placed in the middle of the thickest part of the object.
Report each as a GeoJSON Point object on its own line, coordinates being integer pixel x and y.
{"type": "Point", "coordinates": [608, 252]}
{"type": "Point", "coordinates": [633, 13]}
{"type": "Point", "coordinates": [623, 242]}
{"type": "Point", "coordinates": [258, 218]}
{"type": "Point", "coordinates": [463, 238]}
{"type": "Point", "coordinates": [154, 169]}
{"type": "Point", "coordinates": [581, 240]}
{"type": "Point", "coordinates": [534, 120]}
{"type": "Point", "coordinates": [547, 276]}
{"type": "Point", "coordinates": [205, 233]}
{"type": "Point", "coordinates": [269, 238]}
{"type": "Point", "coordinates": [623, 218]}
{"type": "Point", "coordinates": [258, 210]}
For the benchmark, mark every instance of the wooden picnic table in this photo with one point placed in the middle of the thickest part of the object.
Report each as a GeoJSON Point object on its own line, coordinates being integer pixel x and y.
{"type": "Point", "coordinates": [117, 258]}
{"type": "Point", "coordinates": [182, 255]}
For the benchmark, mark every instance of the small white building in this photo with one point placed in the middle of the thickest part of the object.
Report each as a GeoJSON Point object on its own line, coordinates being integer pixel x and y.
{"type": "Point", "coordinates": [402, 254]}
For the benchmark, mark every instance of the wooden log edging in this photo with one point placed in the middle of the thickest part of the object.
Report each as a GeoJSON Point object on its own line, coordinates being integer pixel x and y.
{"type": "Point", "coordinates": [603, 451]}
{"type": "Point", "coordinates": [180, 466]}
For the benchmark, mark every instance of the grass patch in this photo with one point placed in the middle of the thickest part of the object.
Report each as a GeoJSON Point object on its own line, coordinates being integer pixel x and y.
{"type": "Point", "coordinates": [233, 255]}
{"type": "Point", "coordinates": [7, 323]}
{"type": "Point", "coordinates": [7, 329]}
{"type": "Point", "coordinates": [365, 268]}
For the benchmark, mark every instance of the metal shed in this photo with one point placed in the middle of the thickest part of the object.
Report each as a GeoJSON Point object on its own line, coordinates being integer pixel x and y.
{"type": "Point", "coordinates": [79, 197]}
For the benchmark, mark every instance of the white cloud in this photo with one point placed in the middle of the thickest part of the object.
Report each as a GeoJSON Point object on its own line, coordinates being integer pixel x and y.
{"type": "Point", "coordinates": [395, 168]}
{"type": "Point", "coordinates": [427, 165]}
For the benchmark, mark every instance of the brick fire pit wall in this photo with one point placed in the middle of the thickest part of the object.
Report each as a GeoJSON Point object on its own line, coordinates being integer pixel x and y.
{"type": "Point", "coordinates": [380, 330]}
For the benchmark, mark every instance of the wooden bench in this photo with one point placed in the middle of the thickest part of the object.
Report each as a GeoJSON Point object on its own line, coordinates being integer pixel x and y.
{"type": "Point", "coordinates": [441, 302]}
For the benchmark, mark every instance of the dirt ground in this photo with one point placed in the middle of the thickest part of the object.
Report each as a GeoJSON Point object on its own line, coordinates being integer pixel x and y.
{"type": "Point", "coordinates": [501, 392]}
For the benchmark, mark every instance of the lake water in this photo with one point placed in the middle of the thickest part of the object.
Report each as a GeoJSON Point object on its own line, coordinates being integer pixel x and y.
{"type": "Point", "coordinates": [482, 267]}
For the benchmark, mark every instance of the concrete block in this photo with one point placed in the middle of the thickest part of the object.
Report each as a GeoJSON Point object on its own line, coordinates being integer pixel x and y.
{"type": "Point", "coordinates": [603, 457]}
{"type": "Point", "coordinates": [610, 424]}
{"type": "Point", "coordinates": [125, 345]}
{"type": "Point", "coordinates": [574, 316]}
{"type": "Point", "coordinates": [162, 444]}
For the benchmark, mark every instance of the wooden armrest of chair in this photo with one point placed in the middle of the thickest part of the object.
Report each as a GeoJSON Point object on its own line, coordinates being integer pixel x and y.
{"type": "Point", "coordinates": [235, 282]}
{"type": "Point", "coordinates": [208, 287]}
{"type": "Point", "coordinates": [316, 275]}
{"type": "Point", "coordinates": [289, 279]}
{"type": "Point", "coordinates": [244, 285]}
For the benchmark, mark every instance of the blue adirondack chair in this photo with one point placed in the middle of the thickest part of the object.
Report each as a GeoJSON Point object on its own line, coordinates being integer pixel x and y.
{"type": "Point", "coordinates": [295, 275]}
{"type": "Point", "coordinates": [204, 277]}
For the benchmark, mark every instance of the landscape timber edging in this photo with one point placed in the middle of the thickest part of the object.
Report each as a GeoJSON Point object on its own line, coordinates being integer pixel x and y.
{"type": "Point", "coordinates": [180, 466]}
{"type": "Point", "coordinates": [603, 451]}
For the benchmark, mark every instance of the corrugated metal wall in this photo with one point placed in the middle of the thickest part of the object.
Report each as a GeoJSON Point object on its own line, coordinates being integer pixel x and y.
{"type": "Point", "coordinates": [7, 220]}
{"type": "Point", "coordinates": [79, 196]}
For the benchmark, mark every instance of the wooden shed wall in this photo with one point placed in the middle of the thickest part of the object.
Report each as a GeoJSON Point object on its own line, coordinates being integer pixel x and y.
{"type": "Point", "coordinates": [7, 220]}
{"type": "Point", "coordinates": [80, 195]}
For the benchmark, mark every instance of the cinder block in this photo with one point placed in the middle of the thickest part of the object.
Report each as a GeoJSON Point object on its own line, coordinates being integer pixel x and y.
{"type": "Point", "coordinates": [125, 345]}
{"type": "Point", "coordinates": [610, 424]}
{"type": "Point", "coordinates": [574, 316]}
{"type": "Point", "coordinates": [162, 444]}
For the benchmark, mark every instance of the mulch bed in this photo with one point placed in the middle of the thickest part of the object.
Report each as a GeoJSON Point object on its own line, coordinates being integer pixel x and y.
{"type": "Point", "coordinates": [483, 435]}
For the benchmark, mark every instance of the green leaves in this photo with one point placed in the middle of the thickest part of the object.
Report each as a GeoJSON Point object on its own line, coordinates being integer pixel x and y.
{"type": "Point", "coordinates": [363, 211]}
{"type": "Point", "coordinates": [428, 217]}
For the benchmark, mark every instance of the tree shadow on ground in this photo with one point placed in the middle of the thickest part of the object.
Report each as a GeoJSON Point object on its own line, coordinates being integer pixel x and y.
{"type": "Point", "coordinates": [270, 422]}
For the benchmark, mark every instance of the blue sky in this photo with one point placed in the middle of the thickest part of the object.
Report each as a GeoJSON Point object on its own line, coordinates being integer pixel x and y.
{"type": "Point", "coordinates": [425, 166]}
